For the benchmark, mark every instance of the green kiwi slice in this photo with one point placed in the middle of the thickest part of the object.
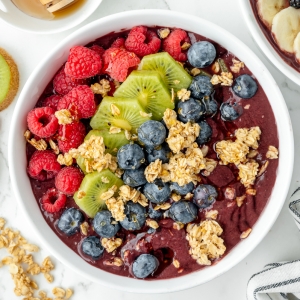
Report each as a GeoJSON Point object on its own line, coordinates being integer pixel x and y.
{"type": "Point", "coordinates": [175, 76]}
{"type": "Point", "coordinates": [93, 187]}
{"type": "Point", "coordinates": [150, 90]}
{"type": "Point", "coordinates": [131, 114]}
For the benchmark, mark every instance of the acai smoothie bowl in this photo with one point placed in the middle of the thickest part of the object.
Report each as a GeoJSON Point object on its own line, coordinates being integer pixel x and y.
{"type": "Point", "coordinates": [151, 151]}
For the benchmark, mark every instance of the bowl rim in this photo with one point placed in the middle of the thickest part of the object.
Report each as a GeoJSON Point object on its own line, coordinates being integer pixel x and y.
{"type": "Point", "coordinates": [264, 44]}
{"type": "Point", "coordinates": [21, 185]}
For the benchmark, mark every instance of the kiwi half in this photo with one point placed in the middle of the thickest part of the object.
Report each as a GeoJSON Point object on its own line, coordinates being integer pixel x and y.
{"type": "Point", "coordinates": [150, 90]}
{"type": "Point", "coordinates": [93, 187]}
{"type": "Point", "coordinates": [130, 117]}
{"type": "Point", "coordinates": [175, 76]}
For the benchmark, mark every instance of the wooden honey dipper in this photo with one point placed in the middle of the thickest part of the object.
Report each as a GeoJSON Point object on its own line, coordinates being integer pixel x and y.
{"type": "Point", "coordinates": [55, 5]}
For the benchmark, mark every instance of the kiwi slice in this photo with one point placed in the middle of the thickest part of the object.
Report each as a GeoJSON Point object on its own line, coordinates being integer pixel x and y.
{"type": "Point", "coordinates": [93, 187]}
{"type": "Point", "coordinates": [9, 79]}
{"type": "Point", "coordinates": [129, 117]}
{"type": "Point", "coordinates": [150, 90]}
{"type": "Point", "coordinates": [170, 70]}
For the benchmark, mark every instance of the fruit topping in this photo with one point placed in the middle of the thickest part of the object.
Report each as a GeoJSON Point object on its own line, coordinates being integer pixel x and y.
{"type": "Point", "coordinates": [91, 195]}
{"type": "Point", "coordinates": [83, 63]}
{"type": "Point", "coordinates": [79, 101]}
{"type": "Point", "coordinates": [211, 106]}
{"type": "Point", "coordinates": [68, 180]}
{"type": "Point", "coordinates": [161, 152]}
{"type": "Point", "coordinates": [52, 101]}
{"type": "Point", "coordinates": [53, 201]}
{"type": "Point", "coordinates": [182, 190]}
{"type": "Point", "coordinates": [70, 136]}
{"type": "Point", "coordinates": [245, 86]}
{"type": "Point", "coordinates": [105, 225]}
{"type": "Point", "coordinates": [172, 44]}
{"type": "Point", "coordinates": [135, 177]}
{"type": "Point", "coordinates": [152, 134]}
{"type": "Point", "coordinates": [154, 214]}
{"type": "Point", "coordinates": [130, 157]}
{"type": "Point", "coordinates": [205, 195]}
{"type": "Point", "coordinates": [191, 110]}
{"type": "Point", "coordinates": [118, 43]}
{"type": "Point", "coordinates": [42, 122]}
{"type": "Point", "coordinates": [183, 212]}
{"type": "Point", "coordinates": [70, 221]}
{"type": "Point", "coordinates": [205, 133]}
{"type": "Point", "coordinates": [92, 247]}
{"type": "Point", "coordinates": [157, 192]}
{"type": "Point", "coordinates": [98, 49]}
{"type": "Point", "coordinates": [230, 112]}
{"type": "Point", "coordinates": [43, 165]}
{"type": "Point", "coordinates": [201, 86]}
{"type": "Point", "coordinates": [135, 216]}
{"type": "Point", "coordinates": [201, 54]}
{"type": "Point", "coordinates": [142, 41]}
{"type": "Point", "coordinates": [144, 265]}
{"type": "Point", "coordinates": [117, 62]}
{"type": "Point", "coordinates": [295, 3]}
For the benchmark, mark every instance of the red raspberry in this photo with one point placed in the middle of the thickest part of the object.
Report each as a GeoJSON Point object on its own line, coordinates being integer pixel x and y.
{"type": "Point", "coordinates": [172, 44]}
{"type": "Point", "coordinates": [83, 63]}
{"type": "Point", "coordinates": [52, 101]}
{"type": "Point", "coordinates": [70, 136]}
{"type": "Point", "coordinates": [142, 41]}
{"type": "Point", "coordinates": [53, 201]}
{"type": "Point", "coordinates": [63, 83]}
{"type": "Point", "coordinates": [80, 101]}
{"type": "Point", "coordinates": [43, 165]}
{"type": "Point", "coordinates": [118, 43]}
{"type": "Point", "coordinates": [42, 121]}
{"type": "Point", "coordinates": [68, 180]}
{"type": "Point", "coordinates": [98, 49]}
{"type": "Point", "coordinates": [117, 61]}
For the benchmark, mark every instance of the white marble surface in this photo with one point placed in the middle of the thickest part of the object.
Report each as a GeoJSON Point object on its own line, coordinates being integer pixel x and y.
{"type": "Point", "coordinates": [281, 243]}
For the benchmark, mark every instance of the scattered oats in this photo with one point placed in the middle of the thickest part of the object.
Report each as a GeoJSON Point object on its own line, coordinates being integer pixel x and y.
{"type": "Point", "coordinates": [263, 168]}
{"type": "Point", "coordinates": [185, 46]}
{"type": "Point", "coordinates": [210, 165]}
{"type": "Point", "coordinates": [116, 207]}
{"type": "Point", "coordinates": [178, 225]}
{"type": "Point", "coordinates": [115, 261]}
{"type": "Point", "coordinates": [184, 95]}
{"type": "Point", "coordinates": [48, 277]}
{"type": "Point", "coordinates": [230, 193]}
{"type": "Point", "coordinates": [117, 83]}
{"type": "Point", "coordinates": [180, 63]}
{"type": "Point", "coordinates": [153, 170]}
{"type": "Point", "coordinates": [2, 223]}
{"type": "Point", "coordinates": [212, 214]}
{"type": "Point", "coordinates": [119, 172]}
{"type": "Point", "coordinates": [81, 194]}
{"type": "Point", "coordinates": [104, 179]}
{"type": "Point", "coordinates": [114, 130]}
{"type": "Point", "coordinates": [109, 193]}
{"type": "Point", "coordinates": [216, 67]}
{"type": "Point", "coordinates": [180, 270]}
{"type": "Point", "coordinates": [188, 196]}
{"type": "Point", "coordinates": [175, 197]}
{"type": "Point", "coordinates": [205, 243]}
{"type": "Point", "coordinates": [204, 150]}
{"type": "Point", "coordinates": [240, 200]}
{"type": "Point", "coordinates": [114, 110]}
{"type": "Point", "coordinates": [172, 95]}
{"type": "Point", "coordinates": [13, 269]}
{"type": "Point", "coordinates": [64, 116]}
{"type": "Point", "coordinates": [250, 137]}
{"type": "Point", "coordinates": [152, 223]}
{"type": "Point", "coordinates": [248, 172]}
{"type": "Point", "coordinates": [163, 32]}
{"type": "Point", "coordinates": [251, 192]}
{"type": "Point", "coordinates": [31, 248]}
{"type": "Point", "coordinates": [128, 135]}
{"type": "Point", "coordinates": [111, 244]}
{"type": "Point", "coordinates": [195, 71]}
{"type": "Point", "coordinates": [101, 88]}
{"type": "Point", "coordinates": [237, 66]}
{"type": "Point", "coordinates": [176, 263]}
{"type": "Point", "coordinates": [47, 264]}
{"type": "Point", "coordinates": [134, 137]}
{"type": "Point", "coordinates": [252, 153]}
{"type": "Point", "coordinates": [84, 227]}
{"type": "Point", "coordinates": [65, 159]}
{"type": "Point", "coordinates": [245, 233]}
{"type": "Point", "coordinates": [54, 147]}
{"type": "Point", "coordinates": [226, 79]}
{"type": "Point", "coordinates": [39, 145]}
{"type": "Point", "coordinates": [27, 135]}
{"type": "Point", "coordinates": [34, 269]}
{"type": "Point", "coordinates": [272, 153]}
{"type": "Point", "coordinates": [247, 106]}
{"type": "Point", "coordinates": [163, 206]}
{"type": "Point", "coordinates": [69, 293]}
{"type": "Point", "coordinates": [145, 115]}
{"type": "Point", "coordinates": [58, 292]}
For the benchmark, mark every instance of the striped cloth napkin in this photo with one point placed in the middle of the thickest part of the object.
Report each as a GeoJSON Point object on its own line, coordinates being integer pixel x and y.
{"type": "Point", "coordinates": [278, 281]}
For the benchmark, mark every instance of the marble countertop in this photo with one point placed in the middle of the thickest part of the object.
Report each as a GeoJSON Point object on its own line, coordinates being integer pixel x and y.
{"type": "Point", "coordinates": [281, 243]}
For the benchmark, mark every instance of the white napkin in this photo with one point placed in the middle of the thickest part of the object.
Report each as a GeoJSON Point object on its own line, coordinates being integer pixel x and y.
{"type": "Point", "coordinates": [278, 281]}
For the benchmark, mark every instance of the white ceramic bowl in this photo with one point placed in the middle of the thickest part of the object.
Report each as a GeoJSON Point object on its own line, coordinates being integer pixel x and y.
{"type": "Point", "coordinates": [10, 14]}
{"type": "Point", "coordinates": [35, 86]}
{"type": "Point", "coordinates": [264, 44]}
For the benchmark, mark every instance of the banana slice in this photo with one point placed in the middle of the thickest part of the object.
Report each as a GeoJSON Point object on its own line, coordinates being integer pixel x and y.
{"type": "Point", "coordinates": [267, 9]}
{"type": "Point", "coordinates": [285, 27]}
{"type": "Point", "coordinates": [297, 47]}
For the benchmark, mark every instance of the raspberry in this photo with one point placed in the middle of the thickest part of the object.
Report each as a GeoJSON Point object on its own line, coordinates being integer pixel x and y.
{"type": "Point", "coordinates": [117, 61]}
{"type": "Point", "coordinates": [43, 165]}
{"type": "Point", "coordinates": [83, 63]}
{"type": "Point", "coordinates": [98, 49]}
{"type": "Point", "coordinates": [42, 121]}
{"type": "Point", "coordinates": [172, 44]}
{"type": "Point", "coordinates": [68, 180]}
{"type": "Point", "coordinates": [63, 83]}
{"type": "Point", "coordinates": [80, 101]}
{"type": "Point", "coordinates": [52, 101]}
{"type": "Point", "coordinates": [118, 43]}
{"type": "Point", "coordinates": [70, 136]}
{"type": "Point", "coordinates": [53, 201]}
{"type": "Point", "coordinates": [142, 41]}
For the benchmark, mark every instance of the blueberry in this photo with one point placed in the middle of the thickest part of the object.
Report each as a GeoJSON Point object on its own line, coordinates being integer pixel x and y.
{"type": "Point", "coordinates": [130, 157]}
{"type": "Point", "coordinates": [190, 111]}
{"type": "Point", "coordinates": [135, 177]}
{"type": "Point", "coordinates": [105, 225]}
{"type": "Point", "coordinates": [182, 190]}
{"type": "Point", "coordinates": [144, 265]}
{"type": "Point", "coordinates": [205, 133]}
{"type": "Point", "coordinates": [152, 133]}
{"type": "Point", "coordinates": [201, 54]}
{"type": "Point", "coordinates": [151, 230]}
{"type": "Point", "coordinates": [135, 216]}
{"type": "Point", "coordinates": [183, 211]}
{"type": "Point", "coordinates": [201, 87]}
{"type": "Point", "coordinates": [92, 247]}
{"type": "Point", "coordinates": [161, 152]}
{"type": "Point", "coordinates": [205, 195]}
{"type": "Point", "coordinates": [230, 112]}
{"type": "Point", "coordinates": [70, 221]}
{"type": "Point", "coordinates": [154, 214]}
{"type": "Point", "coordinates": [157, 192]}
{"type": "Point", "coordinates": [211, 106]}
{"type": "Point", "coordinates": [244, 86]}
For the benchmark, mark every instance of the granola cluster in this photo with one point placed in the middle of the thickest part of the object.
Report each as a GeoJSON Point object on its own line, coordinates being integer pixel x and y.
{"type": "Point", "coordinates": [64, 117]}
{"type": "Point", "coordinates": [237, 65]}
{"type": "Point", "coordinates": [111, 244]}
{"type": "Point", "coordinates": [102, 88]}
{"type": "Point", "coordinates": [225, 79]}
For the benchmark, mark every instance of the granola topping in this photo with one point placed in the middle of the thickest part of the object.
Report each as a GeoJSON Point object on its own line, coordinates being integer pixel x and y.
{"type": "Point", "coordinates": [153, 170]}
{"type": "Point", "coordinates": [184, 95]}
{"type": "Point", "coordinates": [64, 117]}
{"type": "Point", "coordinates": [272, 153]}
{"type": "Point", "coordinates": [237, 65]}
{"type": "Point", "coordinates": [226, 79]}
{"type": "Point", "coordinates": [250, 137]}
{"type": "Point", "coordinates": [211, 214]}
{"type": "Point", "coordinates": [248, 172]}
{"type": "Point", "coordinates": [111, 244]}
{"type": "Point", "coordinates": [152, 223]}
{"type": "Point", "coordinates": [163, 32]}
{"type": "Point", "coordinates": [102, 88]}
